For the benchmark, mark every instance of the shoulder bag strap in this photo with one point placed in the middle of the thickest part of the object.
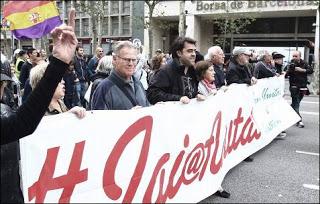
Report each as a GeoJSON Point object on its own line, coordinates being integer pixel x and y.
{"type": "Point", "coordinates": [125, 91]}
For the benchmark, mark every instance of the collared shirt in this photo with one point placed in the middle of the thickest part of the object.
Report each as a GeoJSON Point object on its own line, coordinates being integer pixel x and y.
{"type": "Point", "coordinates": [130, 81]}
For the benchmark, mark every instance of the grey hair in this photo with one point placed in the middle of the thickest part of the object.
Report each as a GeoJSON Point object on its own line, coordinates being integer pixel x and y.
{"type": "Point", "coordinates": [105, 64]}
{"type": "Point", "coordinates": [36, 73]}
{"type": "Point", "coordinates": [123, 44]}
{"type": "Point", "coordinates": [212, 50]}
{"type": "Point", "coordinates": [262, 54]}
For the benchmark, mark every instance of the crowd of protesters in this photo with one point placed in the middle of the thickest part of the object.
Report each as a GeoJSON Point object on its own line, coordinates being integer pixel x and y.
{"type": "Point", "coordinates": [123, 80]}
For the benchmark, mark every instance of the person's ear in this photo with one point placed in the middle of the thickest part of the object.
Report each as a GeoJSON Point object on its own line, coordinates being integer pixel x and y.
{"type": "Point", "coordinates": [179, 53]}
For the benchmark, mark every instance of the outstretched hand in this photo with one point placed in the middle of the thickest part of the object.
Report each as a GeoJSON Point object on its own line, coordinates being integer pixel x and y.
{"type": "Point", "coordinates": [65, 40]}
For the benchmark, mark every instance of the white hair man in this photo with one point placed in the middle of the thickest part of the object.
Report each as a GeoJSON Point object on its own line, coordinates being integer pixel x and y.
{"type": "Point", "coordinates": [216, 56]}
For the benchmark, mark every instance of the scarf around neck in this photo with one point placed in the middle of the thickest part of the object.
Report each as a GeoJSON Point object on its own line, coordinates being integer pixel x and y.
{"type": "Point", "coordinates": [209, 86]}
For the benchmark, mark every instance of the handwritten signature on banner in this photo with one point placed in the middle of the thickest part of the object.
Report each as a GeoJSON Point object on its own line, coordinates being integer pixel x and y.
{"type": "Point", "coordinates": [194, 164]}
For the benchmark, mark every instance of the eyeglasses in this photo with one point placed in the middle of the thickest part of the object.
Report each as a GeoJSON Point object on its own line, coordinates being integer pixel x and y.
{"type": "Point", "coordinates": [294, 55]}
{"type": "Point", "coordinates": [128, 60]}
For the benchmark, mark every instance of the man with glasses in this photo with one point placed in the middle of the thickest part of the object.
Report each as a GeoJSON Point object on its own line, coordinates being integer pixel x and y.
{"type": "Point", "coordinates": [216, 56]}
{"type": "Point", "coordinates": [238, 71]}
{"type": "Point", "coordinates": [297, 72]}
{"type": "Point", "coordinates": [121, 90]}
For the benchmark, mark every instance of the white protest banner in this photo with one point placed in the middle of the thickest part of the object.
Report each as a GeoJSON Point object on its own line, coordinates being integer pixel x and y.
{"type": "Point", "coordinates": [163, 153]}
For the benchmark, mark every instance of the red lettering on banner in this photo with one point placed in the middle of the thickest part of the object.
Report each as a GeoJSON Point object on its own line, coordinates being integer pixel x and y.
{"type": "Point", "coordinates": [197, 160]}
{"type": "Point", "coordinates": [110, 187]}
{"type": "Point", "coordinates": [46, 182]}
{"type": "Point", "coordinates": [215, 167]}
{"type": "Point", "coordinates": [192, 165]}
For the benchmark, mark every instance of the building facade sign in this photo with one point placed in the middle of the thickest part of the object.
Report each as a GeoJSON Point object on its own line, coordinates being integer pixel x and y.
{"type": "Point", "coordinates": [236, 5]}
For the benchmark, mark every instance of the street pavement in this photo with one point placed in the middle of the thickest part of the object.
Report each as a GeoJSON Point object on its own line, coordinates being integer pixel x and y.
{"type": "Point", "coordinates": [285, 171]}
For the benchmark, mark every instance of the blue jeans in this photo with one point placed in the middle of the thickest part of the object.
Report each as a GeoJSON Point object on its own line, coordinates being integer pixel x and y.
{"type": "Point", "coordinates": [296, 97]}
{"type": "Point", "coordinates": [80, 89]}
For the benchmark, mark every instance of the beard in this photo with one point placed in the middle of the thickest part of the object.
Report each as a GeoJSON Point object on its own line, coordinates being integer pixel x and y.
{"type": "Point", "coordinates": [187, 62]}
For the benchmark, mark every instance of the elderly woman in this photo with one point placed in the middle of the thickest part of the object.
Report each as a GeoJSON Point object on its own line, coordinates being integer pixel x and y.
{"type": "Point", "coordinates": [56, 105]}
{"type": "Point", "coordinates": [205, 74]}
{"type": "Point", "coordinates": [206, 87]}
{"type": "Point", "coordinates": [103, 71]}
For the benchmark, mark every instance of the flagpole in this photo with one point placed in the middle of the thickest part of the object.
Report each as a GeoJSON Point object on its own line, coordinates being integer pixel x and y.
{"type": "Point", "coordinates": [12, 46]}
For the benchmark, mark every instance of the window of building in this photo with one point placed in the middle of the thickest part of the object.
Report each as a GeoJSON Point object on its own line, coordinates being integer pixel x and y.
{"type": "Point", "coordinates": [125, 25]}
{"type": "Point", "coordinates": [272, 25]}
{"type": "Point", "coordinates": [104, 26]}
{"type": "Point", "coordinates": [126, 7]}
{"type": "Point", "coordinates": [77, 27]}
{"type": "Point", "coordinates": [68, 6]}
{"type": "Point", "coordinates": [305, 24]}
{"type": "Point", "coordinates": [106, 7]}
{"type": "Point", "coordinates": [115, 7]}
{"type": "Point", "coordinates": [85, 26]}
{"type": "Point", "coordinates": [115, 25]}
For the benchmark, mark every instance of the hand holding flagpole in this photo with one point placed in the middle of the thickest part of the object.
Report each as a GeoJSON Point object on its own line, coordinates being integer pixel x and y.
{"type": "Point", "coordinates": [65, 40]}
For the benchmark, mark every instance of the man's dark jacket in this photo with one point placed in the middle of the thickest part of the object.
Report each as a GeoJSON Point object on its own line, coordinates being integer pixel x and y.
{"type": "Point", "coordinates": [171, 83]}
{"type": "Point", "coordinates": [237, 73]}
{"type": "Point", "coordinates": [220, 77]}
{"type": "Point", "coordinates": [299, 79]}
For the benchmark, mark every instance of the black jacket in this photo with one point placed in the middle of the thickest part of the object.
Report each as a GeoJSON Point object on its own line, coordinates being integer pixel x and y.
{"type": "Point", "coordinates": [298, 79]}
{"type": "Point", "coordinates": [278, 68]}
{"type": "Point", "coordinates": [170, 83]}
{"type": "Point", "coordinates": [25, 72]}
{"type": "Point", "coordinates": [29, 115]}
{"type": "Point", "coordinates": [81, 68]}
{"type": "Point", "coordinates": [237, 73]}
{"type": "Point", "coordinates": [262, 70]}
{"type": "Point", "coordinates": [10, 156]}
{"type": "Point", "coordinates": [220, 77]}
{"type": "Point", "coordinates": [96, 78]}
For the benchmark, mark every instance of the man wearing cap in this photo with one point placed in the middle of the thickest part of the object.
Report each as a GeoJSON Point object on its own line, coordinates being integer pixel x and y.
{"type": "Point", "coordinates": [237, 71]}
{"type": "Point", "coordinates": [278, 61]}
{"type": "Point", "coordinates": [297, 72]}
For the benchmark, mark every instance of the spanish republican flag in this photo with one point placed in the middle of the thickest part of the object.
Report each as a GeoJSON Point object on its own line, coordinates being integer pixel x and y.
{"type": "Point", "coordinates": [31, 19]}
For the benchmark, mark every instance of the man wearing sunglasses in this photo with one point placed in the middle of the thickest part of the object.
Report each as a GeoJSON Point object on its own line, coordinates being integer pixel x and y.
{"type": "Point", "coordinates": [121, 90]}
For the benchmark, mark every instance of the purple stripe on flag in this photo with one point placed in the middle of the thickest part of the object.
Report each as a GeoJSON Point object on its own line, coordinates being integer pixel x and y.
{"type": "Point", "coordinates": [39, 30]}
